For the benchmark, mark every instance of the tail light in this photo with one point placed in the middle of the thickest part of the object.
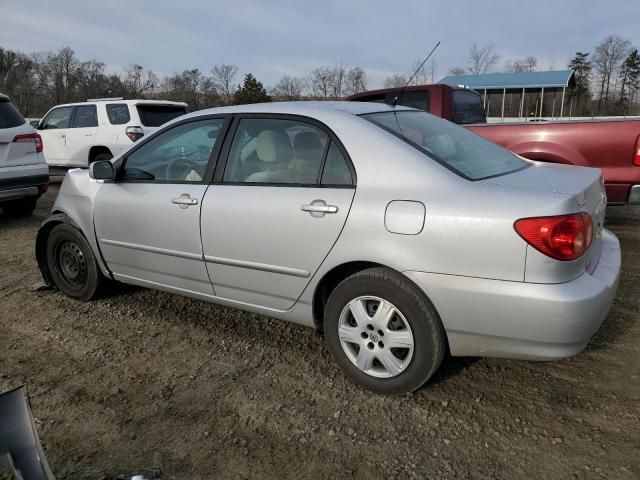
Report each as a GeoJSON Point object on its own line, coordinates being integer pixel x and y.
{"type": "Point", "coordinates": [563, 237]}
{"type": "Point", "coordinates": [134, 133]}
{"type": "Point", "coordinates": [30, 138]}
{"type": "Point", "coordinates": [636, 157]}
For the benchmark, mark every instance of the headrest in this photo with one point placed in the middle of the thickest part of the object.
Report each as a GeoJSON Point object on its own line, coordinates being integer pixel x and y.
{"type": "Point", "coordinates": [274, 146]}
{"type": "Point", "coordinates": [307, 143]}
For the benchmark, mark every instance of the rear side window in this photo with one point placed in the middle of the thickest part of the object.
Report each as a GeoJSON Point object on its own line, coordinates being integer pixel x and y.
{"type": "Point", "coordinates": [416, 99]}
{"type": "Point", "coordinates": [118, 113]}
{"type": "Point", "coordinates": [336, 171]}
{"type": "Point", "coordinates": [9, 116]}
{"type": "Point", "coordinates": [85, 116]}
{"type": "Point", "coordinates": [467, 108]}
{"type": "Point", "coordinates": [156, 115]}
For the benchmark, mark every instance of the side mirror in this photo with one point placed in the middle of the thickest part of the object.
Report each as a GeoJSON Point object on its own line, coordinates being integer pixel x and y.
{"type": "Point", "coordinates": [102, 170]}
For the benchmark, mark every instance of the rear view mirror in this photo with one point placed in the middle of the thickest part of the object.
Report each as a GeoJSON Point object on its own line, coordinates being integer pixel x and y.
{"type": "Point", "coordinates": [102, 170]}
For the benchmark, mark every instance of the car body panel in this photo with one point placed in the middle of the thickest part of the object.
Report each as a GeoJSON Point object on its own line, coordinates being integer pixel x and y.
{"type": "Point", "coordinates": [467, 257]}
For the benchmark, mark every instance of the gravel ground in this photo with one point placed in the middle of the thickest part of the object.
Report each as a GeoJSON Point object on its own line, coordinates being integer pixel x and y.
{"type": "Point", "coordinates": [147, 381]}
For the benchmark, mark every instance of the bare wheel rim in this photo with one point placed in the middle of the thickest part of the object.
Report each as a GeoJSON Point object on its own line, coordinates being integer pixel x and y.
{"type": "Point", "coordinates": [376, 336]}
{"type": "Point", "coordinates": [71, 263]}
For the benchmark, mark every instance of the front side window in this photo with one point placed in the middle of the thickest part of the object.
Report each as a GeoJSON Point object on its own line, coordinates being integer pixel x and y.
{"type": "Point", "coordinates": [118, 113]}
{"type": "Point", "coordinates": [467, 108]}
{"type": "Point", "coordinates": [276, 151]}
{"type": "Point", "coordinates": [85, 116]}
{"type": "Point", "coordinates": [181, 154]}
{"type": "Point", "coordinates": [463, 152]}
{"type": "Point", "coordinates": [57, 118]}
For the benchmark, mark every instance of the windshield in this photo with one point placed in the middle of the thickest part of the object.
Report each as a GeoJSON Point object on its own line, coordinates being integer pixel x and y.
{"type": "Point", "coordinates": [156, 115]}
{"type": "Point", "coordinates": [461, 151]}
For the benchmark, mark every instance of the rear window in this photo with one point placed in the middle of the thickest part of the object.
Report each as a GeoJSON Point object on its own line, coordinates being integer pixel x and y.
{"type": "Point", "coordinates": [461, 151]}
{"type": "Point", "coordinates": [118, 113]}
{"type": "Point", "coordinates": [467, 108]}
{"type": "Point", "coordinates": [9, 116]}
{"type": "Point", "coordinates": [156, 115]}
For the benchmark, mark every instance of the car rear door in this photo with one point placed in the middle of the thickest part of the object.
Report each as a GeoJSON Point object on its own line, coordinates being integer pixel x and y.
{"type": "Point", "coordinates": [53, 129]}
{"type": "Point", "coordinates": [81, 136]}
{"type": "Point", "coordinates": [276, 209]}
{"type": "Point", "coordinates": [147, 222]}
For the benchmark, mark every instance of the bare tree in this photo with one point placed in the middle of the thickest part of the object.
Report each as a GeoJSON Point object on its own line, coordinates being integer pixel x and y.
{"type": "Point", "coordinates": [338, 81]}
{"type": "Point", "coordinates": [288, 88]}
{"type": "Point", "coordinates": [420, 77]}
{"type": "Point", "coordinates": [138, 81]}
{"type": "Point", "coordinates": [396, 80]}
{"type": "Point", "coordinates": [527, 64]}
{"type": "Point", "coordinates": [606, 61]}
{"type": "Point", "coordinates": [457, 71]}
{"type": "Point", "coordinates": [223, 76]}
{"type": "Point", "coordinates": [356, 81]}
{"type": "Point", "coordinates": [321, 82]}
{"type": "Point", "coordinates": [481, 59]}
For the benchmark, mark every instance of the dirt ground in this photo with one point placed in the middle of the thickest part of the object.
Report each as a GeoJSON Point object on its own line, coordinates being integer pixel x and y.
{"type": "Point", "coordinates": [147, 381]}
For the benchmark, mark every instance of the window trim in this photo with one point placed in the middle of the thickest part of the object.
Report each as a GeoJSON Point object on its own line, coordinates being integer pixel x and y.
{"type": "Point", "coordinates": [119, 164]}
{"type": "Point", "coordinates": [224, 157]}
{"type": "Point", "coordinates": [75, 110]}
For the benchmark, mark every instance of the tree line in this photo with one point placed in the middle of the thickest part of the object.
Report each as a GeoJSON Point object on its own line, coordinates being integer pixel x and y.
{"type": "Point", "coordinates": [38, 81]}
{"type": "Point", "coordinates": [607, 80]}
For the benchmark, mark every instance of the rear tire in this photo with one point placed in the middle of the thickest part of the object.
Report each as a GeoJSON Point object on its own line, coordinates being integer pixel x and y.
{"type": "Point", "coordinates": [71, 263]}
{"type": "Point", "coordinates": [19, 208]}
{"type": "Point", "coordinates": [394, 352]}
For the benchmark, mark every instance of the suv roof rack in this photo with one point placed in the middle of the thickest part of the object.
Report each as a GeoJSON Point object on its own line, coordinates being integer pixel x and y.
{"type": "Point", "coordinates": [103, 99]}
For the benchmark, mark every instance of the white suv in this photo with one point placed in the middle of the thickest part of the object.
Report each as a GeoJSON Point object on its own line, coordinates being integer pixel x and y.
{"type": "Point", "coordinates": [24, 175]}
{"type": "Point", "coordinates": [77, 134]}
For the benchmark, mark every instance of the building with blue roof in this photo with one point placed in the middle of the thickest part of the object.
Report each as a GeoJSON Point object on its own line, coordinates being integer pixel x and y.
{"type": "Point", "coordinates": [523, 86]}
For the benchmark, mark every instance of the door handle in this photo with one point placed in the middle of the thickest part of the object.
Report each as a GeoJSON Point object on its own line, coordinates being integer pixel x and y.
{"type": "Point", "coordinates": [184, 200]}
{"type": "Point", "coordinates": [318, 208]}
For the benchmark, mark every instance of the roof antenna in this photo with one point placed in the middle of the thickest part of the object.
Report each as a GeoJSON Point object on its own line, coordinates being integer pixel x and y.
{"type": "Point", "coordinates": [395, 100]}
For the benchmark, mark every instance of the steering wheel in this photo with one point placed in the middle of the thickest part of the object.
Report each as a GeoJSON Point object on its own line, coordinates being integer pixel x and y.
{"type": "Point", "coordinates": [179, 168]}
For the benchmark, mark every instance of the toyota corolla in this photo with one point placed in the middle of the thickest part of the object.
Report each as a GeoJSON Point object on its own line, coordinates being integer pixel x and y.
{"type": "Point", "coordinates": [399, 235]}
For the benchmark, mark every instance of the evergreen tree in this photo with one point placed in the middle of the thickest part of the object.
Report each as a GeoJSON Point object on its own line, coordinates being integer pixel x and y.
{"type": "Point", "coordinates": [629, 79]}
{"type": "Point", "coordinates": [581, 65]}
{"type": "Point", "coordinates": [251, 91]}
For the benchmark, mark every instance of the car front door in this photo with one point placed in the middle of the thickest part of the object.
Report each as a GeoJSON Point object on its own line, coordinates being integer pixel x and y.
{"type": "Point", "coordinates": [148, 221]}
{"type": "Point", "coordinates": [80, 137]}
{"type": "Point", "coordinates": [53, 129]}
{"type": "Point", "coordinates": [275, 210]}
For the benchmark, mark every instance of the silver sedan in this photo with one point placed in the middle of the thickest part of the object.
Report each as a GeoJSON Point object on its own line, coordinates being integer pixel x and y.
{"type": "Point", "coordinates": [397, 234]}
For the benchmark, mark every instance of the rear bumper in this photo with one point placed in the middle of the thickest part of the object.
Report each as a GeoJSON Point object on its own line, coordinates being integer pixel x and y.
{"type": "Point", "coordinates": [496, 318]}
{"type": "Point", "coordinates": [23, 181]}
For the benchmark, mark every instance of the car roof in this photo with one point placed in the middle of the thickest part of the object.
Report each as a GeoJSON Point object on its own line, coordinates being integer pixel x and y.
{"type": "Point", "coordinates": [311, 108]}
{"type": "Point", "coordinates": [128, 102]}
{"type": "Point", "coordinates": [4, 97]}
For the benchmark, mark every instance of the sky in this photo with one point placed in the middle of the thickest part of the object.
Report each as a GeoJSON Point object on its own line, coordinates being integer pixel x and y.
{"type": "Point", "coordinates": [272, 38]}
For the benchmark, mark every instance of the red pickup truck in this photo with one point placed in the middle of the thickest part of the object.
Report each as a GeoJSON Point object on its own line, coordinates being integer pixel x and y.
{"type": "Point", "coordinates": [613, 145]}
